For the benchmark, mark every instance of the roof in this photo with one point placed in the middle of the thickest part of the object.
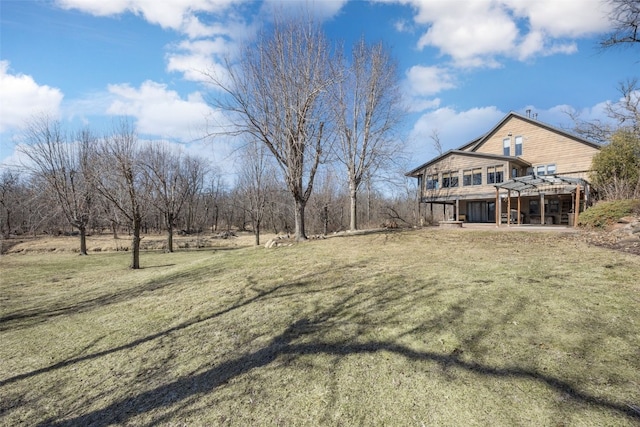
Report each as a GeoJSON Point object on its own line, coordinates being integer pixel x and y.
{"type": "Point", "coordinates": [512, 159]}
{"type": "Point", "coordinates": [473, 145]}
{"type": "Point", "coordinates": [532, 182]}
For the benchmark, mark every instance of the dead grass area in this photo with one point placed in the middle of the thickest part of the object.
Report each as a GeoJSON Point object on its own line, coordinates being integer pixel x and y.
{"type": "Point", "coordinates": [106, 242]}
{"type": "Point", "coordinates": [399, 328]}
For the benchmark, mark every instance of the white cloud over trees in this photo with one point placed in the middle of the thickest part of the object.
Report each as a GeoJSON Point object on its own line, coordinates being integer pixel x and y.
{"type": "Point", "coordinates": [161, 112]}
{"type": "Point", "coordinates": [477, 33]}
{"type": "Point", "coordinates": [22, 97]}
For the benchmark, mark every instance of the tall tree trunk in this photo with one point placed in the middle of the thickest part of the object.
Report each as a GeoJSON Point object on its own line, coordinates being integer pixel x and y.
{"type": "Point", "coordinates": [325, 220]}
{"type": "Point", "coordinates": [135, 244]}
{"type": "Point", "coordinates": [83, 240]}
{"type": "Point", "coordinates": [256, 231]}
{"type": "Point", "coordinates": [299, 217]}
{"type": "Point", "coordinates": [114, 230]}
{"type": "Point", "coordinates": [169, 219]}
{"type": "Point", "coordinates": [8, 222]}
{"type": "Point", "coordinates": [353, 195]}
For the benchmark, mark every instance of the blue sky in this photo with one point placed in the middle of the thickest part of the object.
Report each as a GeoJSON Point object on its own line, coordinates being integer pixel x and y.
{"type": "Point", "coordinates": [464, 64]}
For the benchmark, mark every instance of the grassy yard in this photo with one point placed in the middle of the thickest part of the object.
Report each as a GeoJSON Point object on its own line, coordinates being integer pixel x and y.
{"type": "Point", "coordinates": [402, 328]}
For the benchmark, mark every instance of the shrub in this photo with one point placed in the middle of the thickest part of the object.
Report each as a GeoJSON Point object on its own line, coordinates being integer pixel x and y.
{"type": "Point", "coordinates": [604, 214]}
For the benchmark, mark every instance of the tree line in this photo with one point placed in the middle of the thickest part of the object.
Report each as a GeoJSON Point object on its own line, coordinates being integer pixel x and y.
{"type": "Point", "coordinates": [81, 184]}
{"type": "Point", "coordinates": [317, 127]}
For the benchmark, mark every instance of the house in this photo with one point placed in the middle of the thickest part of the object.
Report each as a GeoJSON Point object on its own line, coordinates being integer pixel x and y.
{"type": "Point", "coordinates": [536, 172]}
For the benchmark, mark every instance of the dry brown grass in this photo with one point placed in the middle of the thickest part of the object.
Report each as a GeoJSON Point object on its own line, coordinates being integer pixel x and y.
{"type": "Point", "coordinates": [399, 328]}
{"type": "Point", "coordinates": [106, 242]}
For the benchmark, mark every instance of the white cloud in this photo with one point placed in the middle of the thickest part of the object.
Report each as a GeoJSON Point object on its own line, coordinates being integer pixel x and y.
{"type": "Point", "coordinates": [468, 31]}
{"type": "Point", "coordinates": [185, 15]}
{"type": "Point", "coordinates": [162, 112]}
{"type": "Point", "coordinates": [429, 80]}
{"type": "Point", "coordinates": [563, 18]}
{"type": "Point", "coordinates": [454, 128]}
{"type": "Point", "coordinates": [179, 15]}
{"type": "Point", "coordinates": [22, 97]}
{"type": "Point", "coordinates": [417, 105]}
{"type": "Point", "coordinates": [321, 9]}
{"type": "Point", "coordinates": [193, 58]}
{"type": "Point", "coordinates": [477, 33]}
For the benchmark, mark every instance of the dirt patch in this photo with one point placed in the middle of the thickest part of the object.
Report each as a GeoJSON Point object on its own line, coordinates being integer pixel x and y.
{"type": "Point", "coordinates": [623, 236]}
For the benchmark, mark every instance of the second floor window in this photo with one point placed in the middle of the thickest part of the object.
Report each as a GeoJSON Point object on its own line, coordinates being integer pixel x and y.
{"type": "Point", "coordinates": [450, 179]}
{"type": "Point", "coordinates": [495, 174]}
{"type": "Point", "coordinates": [432, 182]}
{"type": "Point", "coordinates": [506, 146]}
{"type": "Point", "coordinates": [518, 146]}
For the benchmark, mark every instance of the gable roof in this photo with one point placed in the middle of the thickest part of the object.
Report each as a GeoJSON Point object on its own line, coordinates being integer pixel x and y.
{"type": "Point", "coordinates": [497, 157]}
{"type": "Point", "coordinates": [476, 143]}
{"type": "Point", "coordinates": [470, 147]}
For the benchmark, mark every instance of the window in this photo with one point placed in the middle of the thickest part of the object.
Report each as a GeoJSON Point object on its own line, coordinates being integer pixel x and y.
{"type": "Point", "coordinates": [534, 207]}
{"type": "Point", "coordinates": [450, 179]}
{"type": "Point", "coordinates": [432, 182]}
{"type": "Point", "coordinates": [472, 177]}
{"type": "Point", "coordinates": [466, 177]}
{"type": "Point", "coordinates": [553, 206]}
{"type": "Point", "coordinates": [518, 146]}
{"type": "Point", "coordinates": [495, 174]}
{"type": "Point", "coordinates": [546, 169]}
{"type": "Point", "coordinates": [477, 176]}
{"type": "Point", "coordinates": [506, 146]}
{"type": "Point", "coordinates": [514, 172]}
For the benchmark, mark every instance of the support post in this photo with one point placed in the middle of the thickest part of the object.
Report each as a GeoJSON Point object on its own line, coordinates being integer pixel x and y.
{"type": "Point", "coordinates": [498, 207]}
{"type": "Point", "coordinates": [519, 207]}
{"type": "Point", "coordinates": [576, 212]}
{"type": "Point", "coordinates": [457, 209]}
{"type": "Point", "coordinates": [508, 208]}
{"type": "Point", "coordinates": [542, 218]}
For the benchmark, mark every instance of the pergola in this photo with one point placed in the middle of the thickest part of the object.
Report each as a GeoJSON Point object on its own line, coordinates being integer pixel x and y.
{"type": "Point", "coordinates": [532, 183]}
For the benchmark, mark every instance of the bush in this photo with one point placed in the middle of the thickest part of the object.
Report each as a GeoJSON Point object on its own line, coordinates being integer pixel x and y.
{"type": "Point", "coordinates": [604, 214]}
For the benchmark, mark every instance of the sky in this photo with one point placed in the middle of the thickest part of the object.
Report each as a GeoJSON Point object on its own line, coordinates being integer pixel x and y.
{"type": "Point", "coordinates": [463, 64]}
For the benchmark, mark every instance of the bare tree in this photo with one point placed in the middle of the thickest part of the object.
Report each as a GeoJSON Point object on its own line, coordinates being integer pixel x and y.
{"type": "Point", "coordinates": [173, 179]}
{"type": "Point", "coordinates": [366, 107]}
{"type": "Point", "coordinates": [64, 166]}
{"type": "Point", "coordinates": [10, 195]}
{"type": "Point", "coordinates": [256, 178]}
{"type": "Point", "coordinates": [625, 18]}
{"type": "Point", "coordinates": [624, 114]}
{"type": "Point", "coordinates": [275, 96]}
{"type": "Point", "coordinates": [119, 178]}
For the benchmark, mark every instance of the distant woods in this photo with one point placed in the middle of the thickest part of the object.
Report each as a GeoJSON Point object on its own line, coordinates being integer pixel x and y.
{"type": "Point", "coordinates": [317, 126]}
{"type": "Point", "coordinates": [79, 183]}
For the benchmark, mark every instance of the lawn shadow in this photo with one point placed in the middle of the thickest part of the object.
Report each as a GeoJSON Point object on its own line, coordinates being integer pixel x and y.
{"type": "Point", "coordinates": [283, 344]}
{"type": "Point", "coordinates": [31, 316]}
{"type": "Point", "coordinates": [313, 333]}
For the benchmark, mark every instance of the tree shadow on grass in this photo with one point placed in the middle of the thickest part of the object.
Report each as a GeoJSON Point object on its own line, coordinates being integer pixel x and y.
{"type": "Point", "coordinates": [31, 316]}
{"type": "Point", "coordinates": [361, 308]}
{"type": "Point", "coordinates": [148, 338]}
{"type": "Point", "coordinates": [281, 291]}
{"type": "Point", "coordinates": [283, 344]}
